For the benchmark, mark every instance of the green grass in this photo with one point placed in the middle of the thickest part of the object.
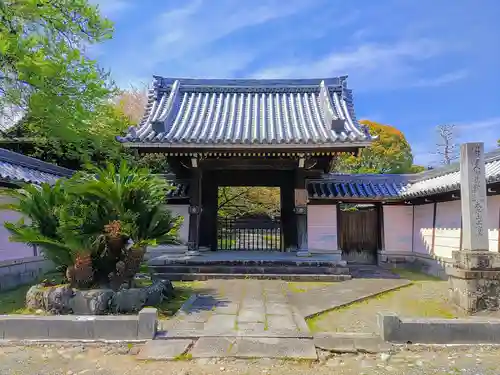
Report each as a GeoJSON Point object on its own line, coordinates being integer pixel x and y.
{"type": "Point", "coordinates": [13, 301]}
{"type": "Point", "coordinates": [413, 275]}
{"type": "Point", "coordinates": [302, 287]}
{"type": "Point", "coordinates": [406, 301]}
{"type": "Point", "coordinates": [182, 291]}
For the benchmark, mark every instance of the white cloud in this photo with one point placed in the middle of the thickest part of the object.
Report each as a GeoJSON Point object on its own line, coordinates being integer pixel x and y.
{"type": "Point", "coordinates": [200, 23]}
{"type": "Point", "coordinates": [370, 65]}
{"type": "Point", "coordinates": [485, 130]}
{"type": "Point", "coordinates": [442, 80]}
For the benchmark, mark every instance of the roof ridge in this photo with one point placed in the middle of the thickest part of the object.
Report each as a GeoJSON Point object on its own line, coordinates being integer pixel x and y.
{"type": "Point", "coordinates": [166, 82]}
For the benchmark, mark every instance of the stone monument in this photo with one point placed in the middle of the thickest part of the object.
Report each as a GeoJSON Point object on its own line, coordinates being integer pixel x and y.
{"type": "Point", "coordinates": [475, 276]}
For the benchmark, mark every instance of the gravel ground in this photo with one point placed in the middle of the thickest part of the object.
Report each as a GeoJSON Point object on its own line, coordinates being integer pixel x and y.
{"type": "Point", "coordinates": [80, 360]}
{"type": "Point", "coordinates": [425, 298]}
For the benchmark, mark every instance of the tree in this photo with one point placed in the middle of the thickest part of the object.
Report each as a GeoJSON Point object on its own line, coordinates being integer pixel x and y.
{"type": "Point", "coordinates": [132, 103]}
{"type": "Point", "coordinates": [44, 72]}
{"type": "Point", "coordinates": [390, 153]}
{"type": "Point", "coordinates": [235, 201]}
{"type": "Point", "coordinates": [447, 148]}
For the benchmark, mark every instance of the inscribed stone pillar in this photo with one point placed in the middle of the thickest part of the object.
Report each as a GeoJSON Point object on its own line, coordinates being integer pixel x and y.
{"type": "Point", "coordinates": [475, 276]}
{"type": "Point", "coordinates": [473, 193]}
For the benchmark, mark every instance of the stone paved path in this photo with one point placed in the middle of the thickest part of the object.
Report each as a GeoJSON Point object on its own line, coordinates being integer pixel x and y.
{"type": "Point", "coordinates": [254, 318]}
{"type": "Point", "coordinates": [239, 308]}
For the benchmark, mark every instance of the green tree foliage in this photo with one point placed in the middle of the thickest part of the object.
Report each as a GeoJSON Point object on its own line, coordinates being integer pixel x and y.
{"type": "Point", "coordinates": [43, 68]}
{"type": "Point", "coordinates": [390, 153]}
{"type": "Point", "coordinates": [235, 201]}
{"type": "Point", "coordinates": [96, 226]}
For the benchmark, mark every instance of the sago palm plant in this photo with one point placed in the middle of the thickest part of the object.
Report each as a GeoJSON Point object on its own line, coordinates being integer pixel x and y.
{"type": "Point", "coordinates": [100, 222]}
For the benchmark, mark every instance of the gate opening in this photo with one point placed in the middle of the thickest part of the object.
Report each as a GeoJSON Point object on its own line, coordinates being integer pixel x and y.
{"type": "Point", "coordinates": [248, 218]}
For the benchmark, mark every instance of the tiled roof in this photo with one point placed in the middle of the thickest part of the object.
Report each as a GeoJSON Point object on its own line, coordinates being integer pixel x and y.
{"type": "Point", "coordinates": [440, 180]}
{"type": "Point", "coordinates": [336, 186]}
{"type": "Point", "coordinates": [447, 179]}
{"type": "Point", "coordinates": [248, 113]}
{"type": "Point", "coordinates": [18, 168]}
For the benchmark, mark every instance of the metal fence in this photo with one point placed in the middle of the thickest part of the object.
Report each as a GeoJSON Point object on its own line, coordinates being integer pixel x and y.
{"type": "Point", "coordinates": [249, 234]}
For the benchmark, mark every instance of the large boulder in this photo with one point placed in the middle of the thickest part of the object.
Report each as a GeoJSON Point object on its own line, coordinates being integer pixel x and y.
{"type": "Point", "coordinates": [158, 291]}
{"type": "Point", "coordinates": [34, 297]}
{"type": "Point", "coordinates": [128, 301]}
{"type": "Point", "coordinates": [92, 302]}
{"type": "Point", "coordinates": [62, 299]}
{"type": "Point", "coordinates": [56, 299]}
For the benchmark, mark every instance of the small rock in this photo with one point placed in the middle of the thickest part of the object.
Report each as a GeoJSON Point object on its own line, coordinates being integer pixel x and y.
{"type": "Point", "coordinates": [134, 350]}
{"type": "Point", "coordinates": [333, 362]}
{"type": "Point", "coordinates": [128, 301]}
{"type": "Point", "coordinates": [385, 357]}
{"type": "Point", "coordinates": [122, 350]}
{"type": "Point", "coordinates": [39, 312]}
{"type": "Point", "coordinates": [69, 372]}
{"type": "Point", "coordinates": [222, 368]}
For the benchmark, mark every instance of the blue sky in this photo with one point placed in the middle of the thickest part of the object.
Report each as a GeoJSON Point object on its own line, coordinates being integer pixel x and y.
{"type": "Point", "coordinates": [412, 64]}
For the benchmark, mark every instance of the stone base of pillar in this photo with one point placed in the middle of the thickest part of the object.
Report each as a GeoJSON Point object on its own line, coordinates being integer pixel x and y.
{"type": "Point", "coordinates": [474, 280]}
{"type": "Point", "coordinates": [192, 253]}
{"type": "Point", "coordinates": [303, 253]}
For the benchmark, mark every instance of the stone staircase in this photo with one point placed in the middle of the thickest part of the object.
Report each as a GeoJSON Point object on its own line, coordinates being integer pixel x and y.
{"type": "Point", "coordinates": [182, 268]}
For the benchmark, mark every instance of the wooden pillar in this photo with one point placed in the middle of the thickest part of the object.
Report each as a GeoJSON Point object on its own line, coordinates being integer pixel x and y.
{"type": "Point", "coordinates": [301, 212]}
{"type": "Point", "coordinates": [209, 202]}
{"type": "Point", "coordinates": [288, 222]}
{"type": "Point", "coordinates": [194, 210]}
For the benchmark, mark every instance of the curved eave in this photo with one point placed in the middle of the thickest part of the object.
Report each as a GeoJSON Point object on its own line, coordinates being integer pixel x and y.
{"type": "Point", "coordinates": [224, 146]}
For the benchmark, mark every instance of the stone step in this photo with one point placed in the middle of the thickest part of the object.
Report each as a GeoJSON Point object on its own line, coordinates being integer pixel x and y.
{"type": "Point", "coordinates": [302, 262]}
{"type": "Point", "coordinates": [228, 276]}
{"type": "Point", "coordinates": [250, 269]}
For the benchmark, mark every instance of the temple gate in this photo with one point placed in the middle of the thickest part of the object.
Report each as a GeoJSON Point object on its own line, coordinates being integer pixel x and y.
{"type": "Point", "coordinates": [248, 133]}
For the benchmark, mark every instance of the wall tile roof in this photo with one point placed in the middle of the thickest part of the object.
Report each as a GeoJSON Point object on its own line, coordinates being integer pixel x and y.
{"type": "Point", "coordinates": [18, 168]}
{"type": "Point", "coordinates": [248, 113]}
{"type": "Point", "coordinates": [427, 183]}
{"type": "Point", "coordinates": [336, 186]}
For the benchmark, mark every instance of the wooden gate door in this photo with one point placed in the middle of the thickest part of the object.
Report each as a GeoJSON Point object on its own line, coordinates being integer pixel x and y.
{"type": "Point", "coordinates": [359, 235]}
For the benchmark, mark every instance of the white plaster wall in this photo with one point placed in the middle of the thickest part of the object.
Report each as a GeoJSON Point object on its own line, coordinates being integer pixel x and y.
{"type": "Point", "coordinates": [11, 250]}
{"type": "Point", "coordinates": [447, 232]}
{"type": "Point", "coordinates": [322, 228]}
{"type": "Point", "coordinates": [422, 228]}
{"type": "Point", "coordinates": [398, 236]}
{"type": "Point", "coordinates": [493, 210]}
{"type": "Point", "coordinates": [183, 211]}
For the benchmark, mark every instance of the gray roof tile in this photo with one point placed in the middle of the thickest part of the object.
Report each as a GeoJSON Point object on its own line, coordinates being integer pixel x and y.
{"type": "Point", "coordinates": [440, 180]}
{"type": "Point", "coordinates": [18, 168]}
{"type": "Point", "coordinates": [248, 113]}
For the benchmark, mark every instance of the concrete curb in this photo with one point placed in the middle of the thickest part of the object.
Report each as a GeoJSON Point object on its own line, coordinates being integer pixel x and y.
{"type": "Point", "coordinates": [350, 342]}
{"type": "Point", "coordinates": [78, 327]}
{"type": "Point", "coordinates": [438, 331]}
